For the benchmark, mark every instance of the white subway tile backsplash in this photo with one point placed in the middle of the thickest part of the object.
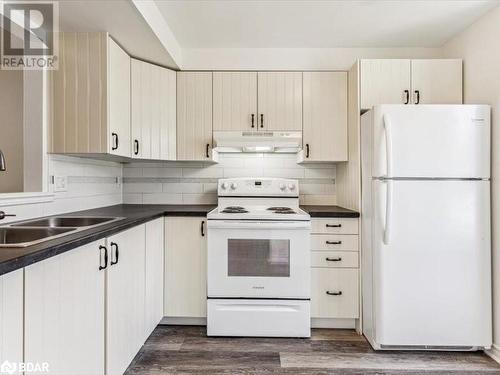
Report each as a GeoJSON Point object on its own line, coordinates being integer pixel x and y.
{"type": "Point", "coordinates": [196, 183]}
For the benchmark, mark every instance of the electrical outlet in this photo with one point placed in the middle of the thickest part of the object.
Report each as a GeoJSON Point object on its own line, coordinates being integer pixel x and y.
{"type": "Point", "coordinates": [60, 183]}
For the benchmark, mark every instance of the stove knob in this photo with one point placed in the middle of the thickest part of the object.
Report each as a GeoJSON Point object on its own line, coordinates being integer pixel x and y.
{"type": "Point", "coordinates": [234, 185]}
{"type": "Point", "coordinates": [282, 187]}
{"type": "Point", "coordinates": [291, 186]}
{"type": "Point", "coordinates": [224, 185]}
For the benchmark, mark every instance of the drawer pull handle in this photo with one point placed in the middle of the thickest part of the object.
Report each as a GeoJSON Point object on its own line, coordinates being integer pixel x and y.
{"type": "Point", "coordinates": [339, 293]}
{"type": "Point", "coordinates": [334, 242]}
{"type": "Point", "coordinates": [334, 225]}
{"type": "Point", "coordinates": [339, 259]}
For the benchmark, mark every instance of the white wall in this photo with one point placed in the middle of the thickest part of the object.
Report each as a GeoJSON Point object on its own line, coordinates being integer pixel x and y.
{"type": "Point", "coordinates": [292, 58]}
{"type": "Point", "coordinates": [479, 46]}
{"type": "Point", "coordinates": [195, 183]}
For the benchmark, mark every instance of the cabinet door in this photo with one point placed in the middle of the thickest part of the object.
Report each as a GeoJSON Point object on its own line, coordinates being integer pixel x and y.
{"type": "Point", "coordinates": [325, 116]}
{"type": "Point", "coordinates": [235, 100]}
{"type": "Point", "coordinates": [64, 312]}
{"type": "Point", "coordinates": [125, 298]}
{"type": "Point", "coordinates": [154, 274]}
{"type": "Point", "coordinates": [436, 81]}
{"type": "Point", "coordinates": [11, 317]}
{"type": "Point", "coordinates": [185, 267]}
{"type": "Point", "coordinates": [384, 81]}
{"type": "Point", "coordinates": [168, 121]}
{"type": "Point", "coordinates": [194, 115]}
{"type": "Point", "coordinates": [118, 100]}
{"type": "Point", "coordinates": [280, 101]}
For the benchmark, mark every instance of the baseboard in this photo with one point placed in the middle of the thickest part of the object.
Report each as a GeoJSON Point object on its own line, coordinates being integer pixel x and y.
{"type": "Point", "coordinates": [494, 352]}
{"type": "Point", "coordinates": [315, 322]}
{"type": "Point", "coordinates": [184, 321]}
{"type": "Point", "coordinates": [333, 323]}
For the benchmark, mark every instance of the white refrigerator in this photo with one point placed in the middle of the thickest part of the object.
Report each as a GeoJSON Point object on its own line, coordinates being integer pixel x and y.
{"type": "Point", "coordinates": [426, 251]}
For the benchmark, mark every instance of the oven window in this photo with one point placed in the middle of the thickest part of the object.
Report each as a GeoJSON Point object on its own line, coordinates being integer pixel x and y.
{"type": "Point", "coordinates": [253, 257]}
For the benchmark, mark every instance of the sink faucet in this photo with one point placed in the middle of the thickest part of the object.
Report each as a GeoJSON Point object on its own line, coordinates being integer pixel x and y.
{"type": "Point", "coordinates": [2, 162]}
{"type": "Point", "coordinates": [3, 215]}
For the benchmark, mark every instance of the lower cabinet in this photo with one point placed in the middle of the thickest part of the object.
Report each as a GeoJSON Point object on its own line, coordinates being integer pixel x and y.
{"type": "Point", "coordinates": [11, 317]}
{"type": "Point", "coordinates": [64, 311]}
{"type": "Point", "coordinates": [88, 310]}
{"type": "Point", "coordinates": [153, 308]}
{"type": "Point", "coordinates": [125, 298]}
{"type": "Point", "coordinates": [185, 267]}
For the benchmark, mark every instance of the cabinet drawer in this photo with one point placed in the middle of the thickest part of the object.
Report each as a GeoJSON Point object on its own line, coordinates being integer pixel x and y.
{"type": "Point", "coordinates": [345, 242]}
{"type": "Point", "coordinates": [341, 282]}
{"type": "Point", "coordinates": [334, 259]}
{"type": "Point", "coordinates": [335, 225]}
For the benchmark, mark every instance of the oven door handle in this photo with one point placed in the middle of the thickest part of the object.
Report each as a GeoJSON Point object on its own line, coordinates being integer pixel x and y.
{"type": "Point", "coordinates": [235, 224]}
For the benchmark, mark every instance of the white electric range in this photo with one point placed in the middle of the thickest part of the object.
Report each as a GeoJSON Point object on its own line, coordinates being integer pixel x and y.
{"type": "Point", "coordinates": [258, 260]}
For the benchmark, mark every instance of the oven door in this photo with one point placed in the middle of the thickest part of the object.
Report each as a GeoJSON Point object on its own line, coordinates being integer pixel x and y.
{"type": "Point", "coordinates": [252, 259]}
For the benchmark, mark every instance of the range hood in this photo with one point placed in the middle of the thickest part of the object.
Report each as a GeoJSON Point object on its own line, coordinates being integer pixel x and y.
{"type": "Point", "coordinates": [258, 141]}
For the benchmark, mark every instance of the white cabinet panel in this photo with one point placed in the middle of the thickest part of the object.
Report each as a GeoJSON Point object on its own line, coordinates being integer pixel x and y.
{"type": "Point", "coordinates": [325, 116]}
{"type": "Point", "coordinates": [384, 81]}
{"type": "Point", "coordinates": [185, 267]}
{"type": "Point", "coordinates": [118, 100]}
{"type": "Point", "coordinates": [279, 101]}
{"type": "Point", "coordinates": [335, 225]}
{"type": "Point", "coordinates": [345, 242]}
{"type": "Point", "coordinates": [167, 112]}
{"type": "Point", "coordinates": [125, 298]}
{"type": "Point", "coordinates": [194, 115]}
{"type": "Point", "coordinates": [436, 81]}
{"type": "Point", "coordinates": [334, 293]}
{"type": "Point", "coordinates": [11, 317]}
{"type": "Point", "coordinates": [154, 274]}
{"type": "Point", "coordinates": [235, 100]}
{"type": "Point", "coordinates": [64, 312]}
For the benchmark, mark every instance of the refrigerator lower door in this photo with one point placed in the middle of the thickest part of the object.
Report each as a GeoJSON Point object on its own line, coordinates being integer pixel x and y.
{"type": "Point", "coordinates": [431, 263]}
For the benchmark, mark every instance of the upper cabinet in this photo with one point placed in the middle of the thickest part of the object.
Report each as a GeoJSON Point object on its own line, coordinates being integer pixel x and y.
{"type": "Point", "coordinates": [91, 97]}
{"type": "Point", "coordinates": [325, 117]}
{"type": "Point", "coordinates": [428, 81]}
{"type": "Point", "coordinates": [194, 116]}
{"type": "Point", "coordinates": [235, 100]}
{"type": "Point", "coordinates": [437, 81]}
{"type": "Point", "coordinates": [153, 111]}
{"type": "Point", "coordinates": [279, 101]}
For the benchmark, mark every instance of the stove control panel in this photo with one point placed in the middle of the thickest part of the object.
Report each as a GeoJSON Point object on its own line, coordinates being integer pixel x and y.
{"type": "Point", "coordinates": [264, 187]}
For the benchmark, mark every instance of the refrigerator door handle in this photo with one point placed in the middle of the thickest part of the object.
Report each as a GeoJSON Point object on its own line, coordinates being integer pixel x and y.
{"type": "Point", "coordinates": [388, 145]}
{"type": "Point", "coordinates": [388, 212]}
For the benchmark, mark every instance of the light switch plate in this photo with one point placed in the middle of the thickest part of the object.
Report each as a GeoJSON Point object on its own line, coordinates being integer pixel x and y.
{"type": "Point", "coordinates": [60, 183]}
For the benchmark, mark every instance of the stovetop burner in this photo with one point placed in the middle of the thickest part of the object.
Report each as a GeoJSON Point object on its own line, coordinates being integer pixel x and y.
{"type": "Point", "coordinates": [234, 210]}
{"type": "Point", "coordinates": [281, 210]}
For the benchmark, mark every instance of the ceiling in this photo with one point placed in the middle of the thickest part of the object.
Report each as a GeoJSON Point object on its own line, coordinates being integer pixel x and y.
{"type": "Point", "coordinates": [123, 22]}
{"type": "Point", "coordinates": [318, 23]}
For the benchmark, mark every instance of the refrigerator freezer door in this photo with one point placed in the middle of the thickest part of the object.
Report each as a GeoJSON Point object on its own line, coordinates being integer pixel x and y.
{"type": "Point", "coordinates": [431, 141]}
{"type": "Point", "coordinates": [431, 263]}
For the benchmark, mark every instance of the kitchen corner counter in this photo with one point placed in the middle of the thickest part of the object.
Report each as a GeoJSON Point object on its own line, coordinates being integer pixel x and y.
{"type": "Point", "coordinates": [13, 258]}
{"type": "Point", "coordinates": [329, 211]}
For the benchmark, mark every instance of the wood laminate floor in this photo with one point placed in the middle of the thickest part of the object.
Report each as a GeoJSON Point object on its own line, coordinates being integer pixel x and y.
{"type": "Point", "coordinates": [187, 350]}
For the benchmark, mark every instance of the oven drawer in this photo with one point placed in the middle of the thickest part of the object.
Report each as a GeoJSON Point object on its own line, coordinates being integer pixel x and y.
{"type": "Point", "coordinates": [334, 259]}
{"type": "Point", "coordinates": [334, 293]}
{"type": "Point", "coordinates": [345, 242]}
{"type": "Point", "coordinates": [268, 318]}
{"type": "Point", "coordinates": [335, 225]}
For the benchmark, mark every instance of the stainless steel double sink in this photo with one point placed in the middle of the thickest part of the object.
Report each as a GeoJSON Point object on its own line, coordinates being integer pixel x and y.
{"type": "Point", "coordinates": [35, 231]}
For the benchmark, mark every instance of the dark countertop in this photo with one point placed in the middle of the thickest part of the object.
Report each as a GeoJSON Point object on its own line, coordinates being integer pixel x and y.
{"type": "Point", "coordinates": [329, 211]}
{"type": "Point", "coordinates": [13, 258]}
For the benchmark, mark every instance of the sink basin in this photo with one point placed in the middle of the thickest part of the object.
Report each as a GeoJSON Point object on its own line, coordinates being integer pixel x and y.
{"type": "Point", "coordinates": [66, 222]}
{"type": "Point", "coordinates": [21, 237]}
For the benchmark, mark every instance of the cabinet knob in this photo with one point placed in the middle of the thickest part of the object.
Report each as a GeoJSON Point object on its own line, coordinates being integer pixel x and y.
{"type": "Point", "coordinates": [407, 96]}
{"type": "Point", "coordinates": [115, 141]}
{"type": "Point", "coordinates": [136, 147]}
{"type": "Point", "coordinates": [417, 97]}
{"type": "Point", "coordinates": [202, 228]}
{"type": "Point", "coordinates": [334, 242]}
{"type": "Point", "coordinates": [334, 225]}
{"type": "Point", "coordinates": [207, 150]}
{"type": "Point", "coordinates": [307, 150]}
{"type": "Point", "coordinates": [253, 120]}
{"type": "Point", "coordinates": [339, 259]}
{"type": "Point", "coordinates": [101, 249]}
{"type": "Point", "coordinates": [117, 253]}
{"type": "Point", "coordinates": [339, 293]}
{"type": "Point", "coordinates": [261, 120]}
